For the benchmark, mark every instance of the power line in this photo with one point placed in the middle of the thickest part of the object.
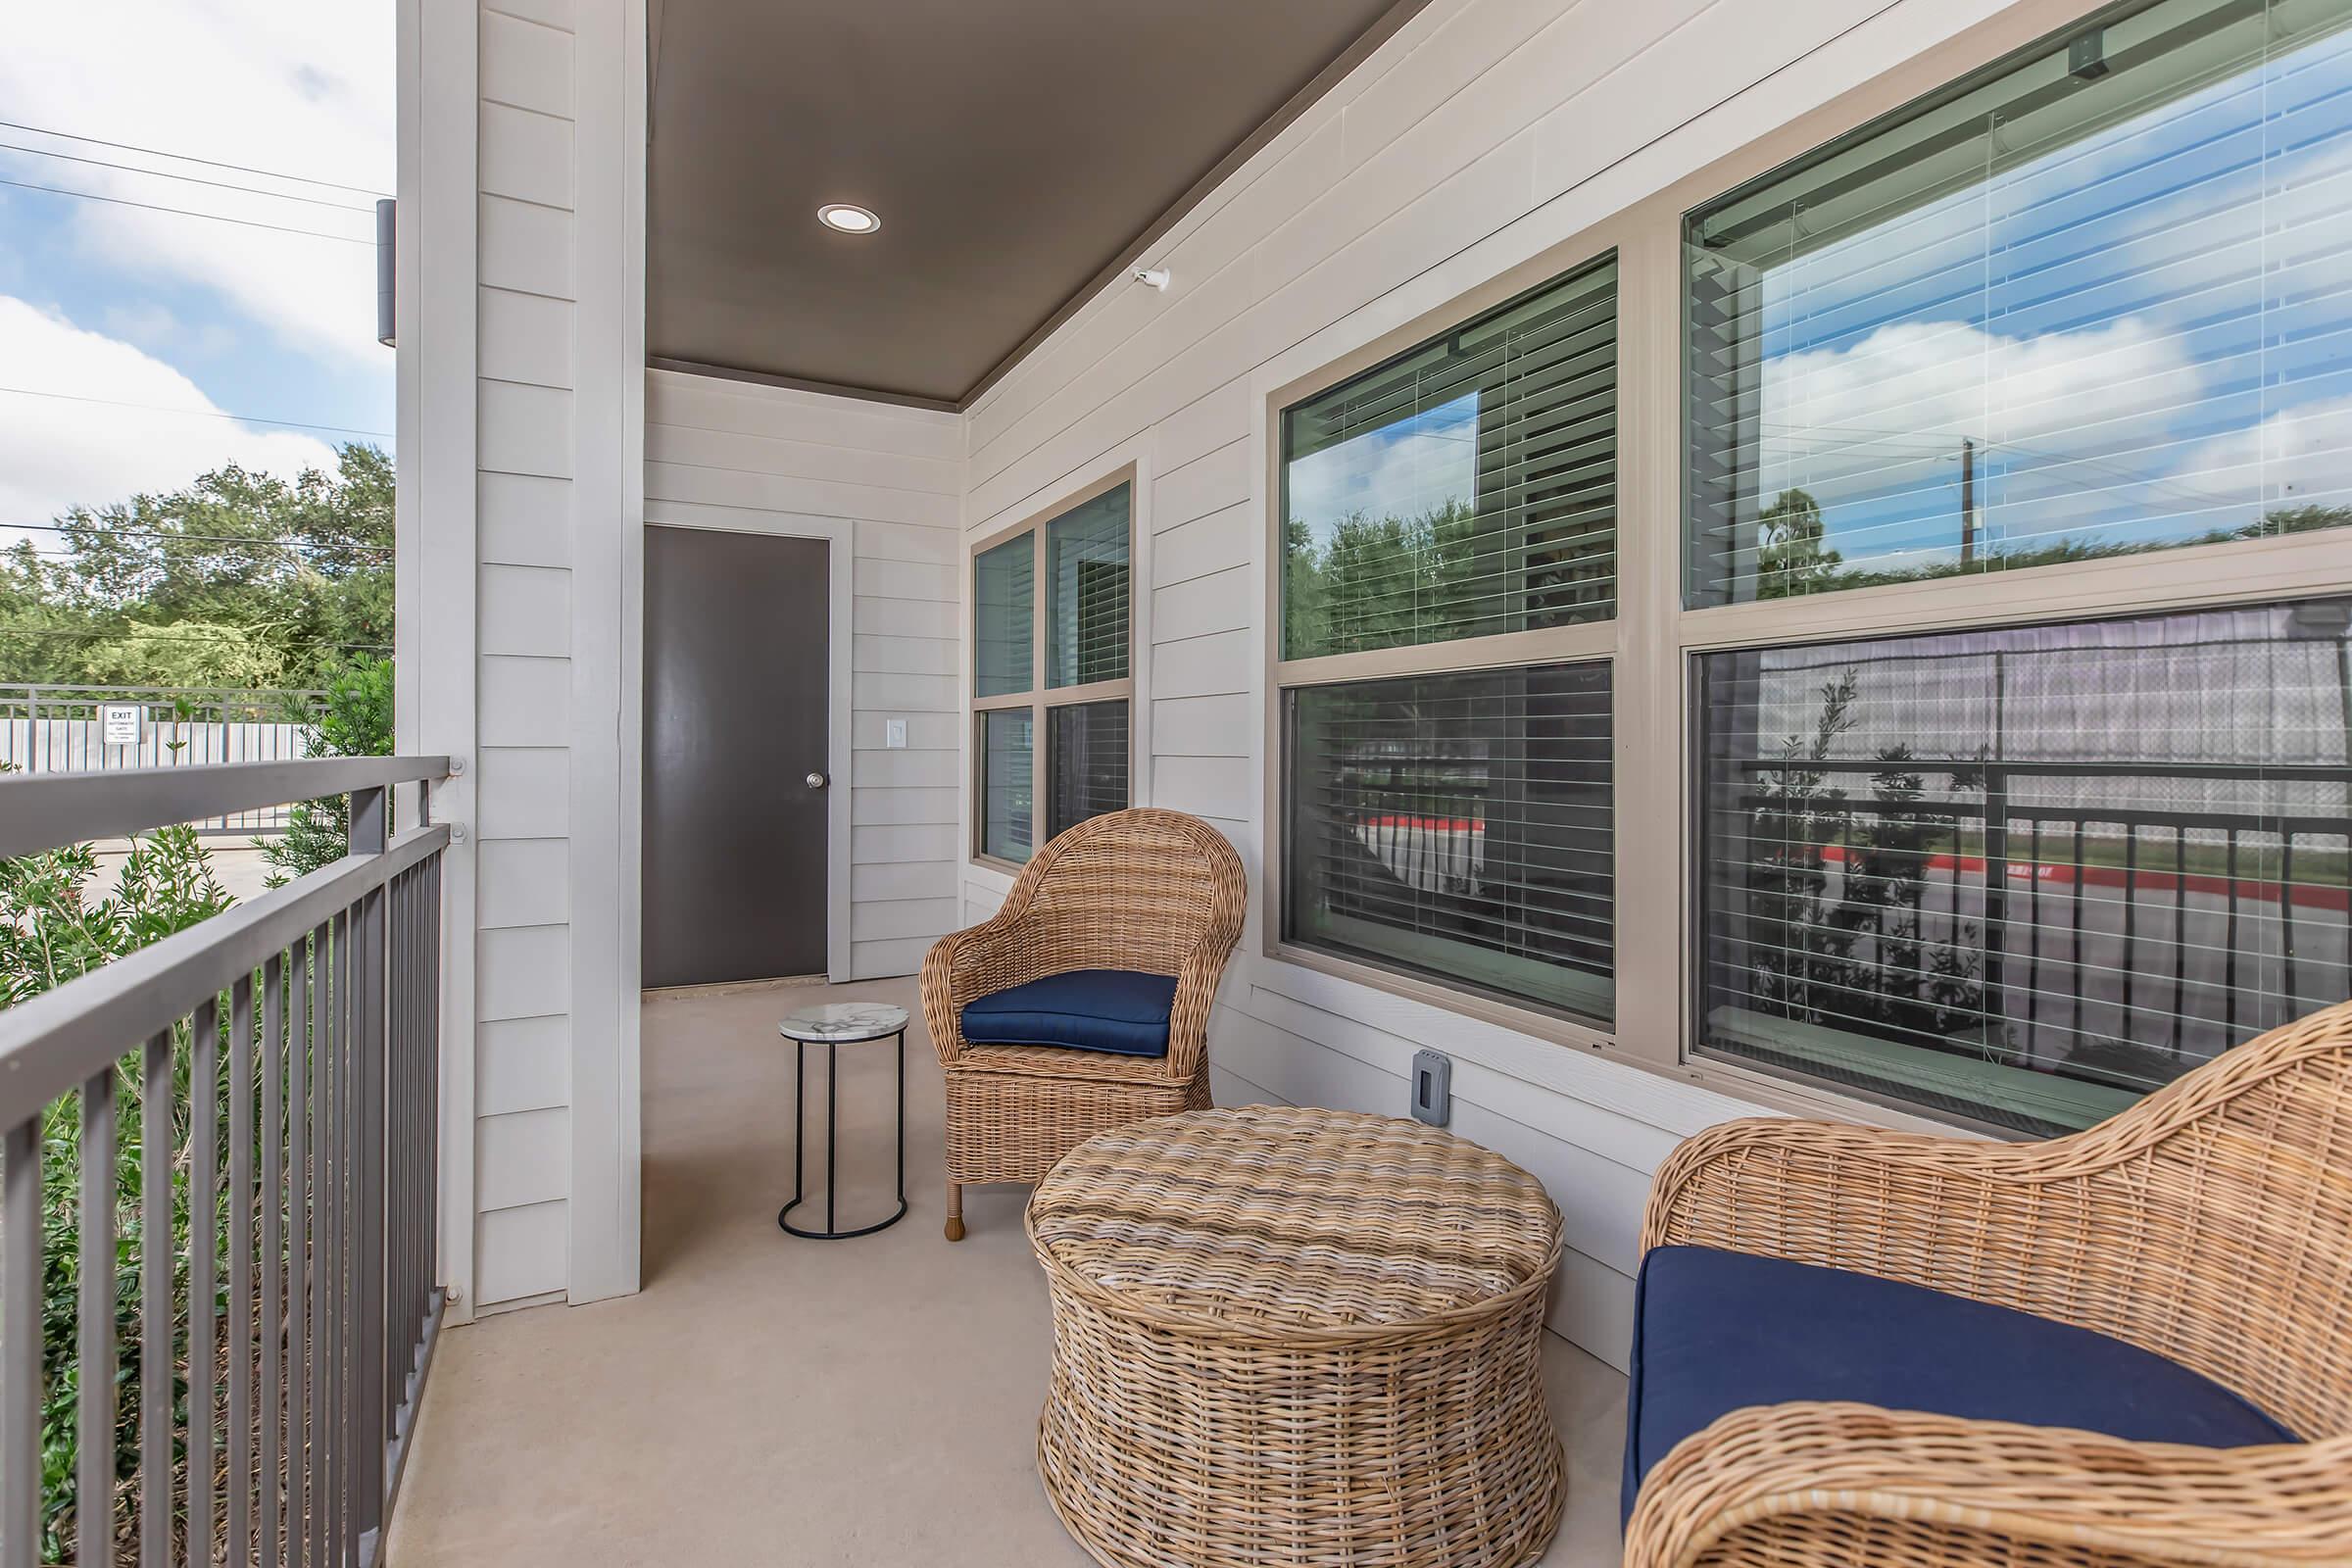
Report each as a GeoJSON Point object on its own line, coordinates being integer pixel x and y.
{"type": "Point", "coordinates": [190, 158]}
{"type": "Point", "coordinates": [207, 413]}
{"type": "Point", "coordinates": [186, 211]}
{"type": "Point", "coordinates": [200, 538]}
{"type": "Point", "coordinates": [191, 179]}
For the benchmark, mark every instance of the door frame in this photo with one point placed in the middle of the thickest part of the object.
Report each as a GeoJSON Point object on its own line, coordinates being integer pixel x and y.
{"type": "Point", "coordinates": [836, 533]}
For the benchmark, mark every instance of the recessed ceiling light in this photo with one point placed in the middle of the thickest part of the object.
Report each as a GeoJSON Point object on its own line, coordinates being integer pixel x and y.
{"type": "Point", "coordinates": [847, 219]}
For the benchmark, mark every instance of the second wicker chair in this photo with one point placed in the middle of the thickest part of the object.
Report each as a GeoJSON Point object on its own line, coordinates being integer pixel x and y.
{"type": "Point", "coordinates": [1139, 891]}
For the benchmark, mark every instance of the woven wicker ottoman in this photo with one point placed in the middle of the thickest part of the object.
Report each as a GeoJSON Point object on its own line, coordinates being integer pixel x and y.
{"type": "Point", "coordinates": [1289, 1335]}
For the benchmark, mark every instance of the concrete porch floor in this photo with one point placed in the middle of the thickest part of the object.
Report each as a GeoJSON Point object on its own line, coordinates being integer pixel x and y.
{"type": "Point", "coordinates": [767, 1399]}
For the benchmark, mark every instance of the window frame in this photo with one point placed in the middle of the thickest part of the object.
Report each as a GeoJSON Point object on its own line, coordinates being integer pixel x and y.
{"type": "Point", "coordinates": [1040, 699]}
{"type": "Point", "coordinates": [1589, 642]}
{"type": "Point", "coordinates": [1655, 642]}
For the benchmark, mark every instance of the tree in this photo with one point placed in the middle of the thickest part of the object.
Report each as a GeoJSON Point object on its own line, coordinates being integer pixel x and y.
{"type": "Point", "coordinates": [240, 579]}
{"type": "Point", "coordinates": [1789, 559]}
{"type": "Point", "coordinates": [355, 721]}
{"type": "Point", "coordinates": [187, 653]}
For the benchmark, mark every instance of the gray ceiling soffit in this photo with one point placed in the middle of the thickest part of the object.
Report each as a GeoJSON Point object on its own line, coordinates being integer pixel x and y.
{"type": "Point", "coordinates": [963, 123]}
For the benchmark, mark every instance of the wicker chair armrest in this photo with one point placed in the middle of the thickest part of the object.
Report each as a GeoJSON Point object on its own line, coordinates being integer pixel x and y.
{"type": "Point", "coordinates": [1196, 983]}
{"type": "Point", "coordinates": [1807, 1478]}
{"type": "Point", "coordinates": [968, 964]}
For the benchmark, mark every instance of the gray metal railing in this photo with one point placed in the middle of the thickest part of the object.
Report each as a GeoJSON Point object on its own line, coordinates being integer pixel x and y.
{"type": "Point", "coordinates": [267, 1215]}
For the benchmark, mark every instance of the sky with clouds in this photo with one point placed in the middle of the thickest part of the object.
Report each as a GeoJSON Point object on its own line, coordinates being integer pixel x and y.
{"type": "Point", "coordinates": [140, 348]}
{"type": "Point", "coordinates": [2144, 333]}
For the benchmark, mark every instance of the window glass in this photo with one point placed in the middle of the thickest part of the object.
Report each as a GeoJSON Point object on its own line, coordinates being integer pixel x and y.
{"type": "Point", "coordinates": [1458, 827]}
{"type": "Point", "coordinates": [2025, 876]}
{"type": "Point", "coordinates": [1086, 592]}
{"type": "Point", "coordinates": [1087, 763]}
{"type": "Point", "coordinates": [1466, 488]}
{"type": "Point", "coordinates": [1008, 783]}
{"type": "Point", "coordinates": [1003, 602]}
{"type": "Point", "coordinates": [2092, 305]}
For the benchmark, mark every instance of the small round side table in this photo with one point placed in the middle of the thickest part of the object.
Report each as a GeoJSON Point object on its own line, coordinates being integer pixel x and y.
{"type": "Point", "coordinates": [832, 1026]}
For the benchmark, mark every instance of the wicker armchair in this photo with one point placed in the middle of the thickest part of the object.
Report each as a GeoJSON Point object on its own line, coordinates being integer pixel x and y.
{"type": "Point", "coordinates": [1141, 889]}
{"type": "Point", "coordinates": [2211, 1223]}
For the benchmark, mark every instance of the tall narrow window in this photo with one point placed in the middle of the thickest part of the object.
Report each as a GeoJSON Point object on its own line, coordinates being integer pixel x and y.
{"type": "Point", "coordinates": [1456, 826]}
{"type": "Point", "coordinates": [2024, 876]}
{"type": "Point", "coordinates": [2088, 305]}
{"type": "Point", "coordinates": [1081, 708]}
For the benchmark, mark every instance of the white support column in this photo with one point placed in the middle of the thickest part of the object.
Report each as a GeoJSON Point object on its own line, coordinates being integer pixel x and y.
{"type": "Point", "coordinates": [435, 555]}
{"type": "Point", "coordinates": [606, 576]}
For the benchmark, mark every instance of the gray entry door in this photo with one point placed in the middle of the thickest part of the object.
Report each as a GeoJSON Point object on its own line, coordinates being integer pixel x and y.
{"type": "Point", "coordinates": [735, 694]}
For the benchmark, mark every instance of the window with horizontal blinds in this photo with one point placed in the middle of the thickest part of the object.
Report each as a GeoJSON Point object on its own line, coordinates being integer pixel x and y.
{"type": "Point", "coordinates": [1458, 827]}
{"type": "Point", "coordinates": [2024, 876]}
{"type": "Point", "coordinates": [1008, 783]}
{"type": "Point", "coordinates": [2093, 301]}
{"type": "Point", "coordinates": [1465, 488]}
{"type": "Point", "coordinates": [1086, 592]}
{"type": "Point", "coordinates": [1004, 596]}
{"type": "Point", "coordinates": [1087, 769]}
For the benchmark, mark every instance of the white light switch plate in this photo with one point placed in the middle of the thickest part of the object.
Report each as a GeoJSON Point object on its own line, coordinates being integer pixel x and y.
{"type": "Point", "coordinates": [894, 733]}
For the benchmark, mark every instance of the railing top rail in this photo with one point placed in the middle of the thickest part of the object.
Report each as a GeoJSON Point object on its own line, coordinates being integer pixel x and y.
{"type": "Point", "coordinates": [52, 1042]}
{"type": "Point", "coordinates": [44, 810]}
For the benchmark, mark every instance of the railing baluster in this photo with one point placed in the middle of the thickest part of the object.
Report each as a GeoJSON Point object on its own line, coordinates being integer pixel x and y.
{"type": "Point", "coordinates": [2033, 945]}
{"type": "Point", "coordinates": [313, 1539]}
{"type": "Point", "coordinates": [339, 1429]}
{"type": "Point", "coordinates": [94, 1432]}
{"type": "Point", "coordinates": [238, 1432]}
{"type": "Point", "coordinates": [273, 1253]}
{"type": "Point", "coordinates": [2179, 943]}
{"type": "Point", "coordinates": [204, 1222]}
{"type": "Point", "coordinates": [367, 1197]}
{"type": "Point", "coordinates": [326, 1255]}
{"type": "Point", "coordinates": [2230, 959]}
{"type": "Point", "coordinates": [2130, 906]}
{"type": "Point", "coordinates": [302, 1456]}
{"type": "Point", "coordinates": [156, 1316]}
{"type": "Point", "coordinates": [2286, 923]}
{"type": "Point", "coordinates": [430, 1234]}
{"type": "Point", "coordinates": [20, 1270]}
{"type": "Point", "coordinates": [2080, 875]}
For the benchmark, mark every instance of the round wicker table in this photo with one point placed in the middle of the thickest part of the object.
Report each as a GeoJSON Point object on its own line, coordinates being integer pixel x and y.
{"type": "Point", "coordinates": [1291, 1336]}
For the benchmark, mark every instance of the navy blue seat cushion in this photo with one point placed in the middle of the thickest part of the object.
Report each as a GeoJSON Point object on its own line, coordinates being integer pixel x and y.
{"type": "Point", "coordinates": [1117, 1010]}
{"type": "Point", "coordinates": [1716, 1332]}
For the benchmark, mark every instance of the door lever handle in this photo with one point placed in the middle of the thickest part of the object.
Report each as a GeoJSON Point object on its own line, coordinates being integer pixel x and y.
{"type": "Point", "coordinates": [816, 781]}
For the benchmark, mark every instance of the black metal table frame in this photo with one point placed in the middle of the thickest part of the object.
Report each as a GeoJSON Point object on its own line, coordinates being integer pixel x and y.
{"type": "Point", "coordinates": [800, 1135]}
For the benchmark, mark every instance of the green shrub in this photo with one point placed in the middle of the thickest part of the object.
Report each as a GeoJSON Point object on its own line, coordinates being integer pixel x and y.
{"type": "Point", "coordinates": [355, 720]}
{"type": "Point", "coordinates": [52, 930]}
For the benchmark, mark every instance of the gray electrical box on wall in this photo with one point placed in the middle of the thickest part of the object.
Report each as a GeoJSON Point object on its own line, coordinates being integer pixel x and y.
{"type": "Point", "coordinates": [1433, 1086]}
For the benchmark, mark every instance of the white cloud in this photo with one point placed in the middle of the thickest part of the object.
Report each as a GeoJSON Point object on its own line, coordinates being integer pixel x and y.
{"type": "Point", "coordinates": [56, 452]}
{"type": "Point", "coordinates": [2074, 430]}
{"type": "Point", "coordinates": [303, 88]}
{"type": "Point", "coordinates": [1415, 465]}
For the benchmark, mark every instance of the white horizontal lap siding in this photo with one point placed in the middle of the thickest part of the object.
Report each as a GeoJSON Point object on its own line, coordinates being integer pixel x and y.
{"type": "Point", "coordinates": [1480, 135]}
{"type": "Point", "coordinates": [734, 455]}
{"type": "Point", "coordinates": [524, 347]}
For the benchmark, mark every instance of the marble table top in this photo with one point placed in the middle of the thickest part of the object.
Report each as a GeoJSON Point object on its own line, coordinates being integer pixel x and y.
{"type": "Point", "coordinates": [837, 1022]}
